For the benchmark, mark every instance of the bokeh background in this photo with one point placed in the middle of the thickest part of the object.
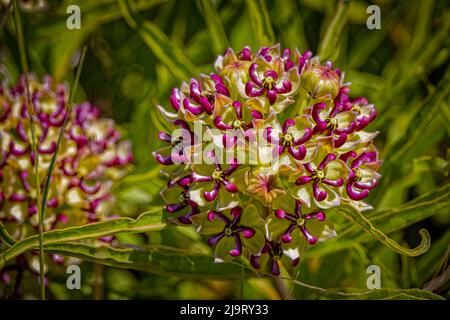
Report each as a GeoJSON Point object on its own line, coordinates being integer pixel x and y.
{"type": "Point", "coordinates": [403, 68]}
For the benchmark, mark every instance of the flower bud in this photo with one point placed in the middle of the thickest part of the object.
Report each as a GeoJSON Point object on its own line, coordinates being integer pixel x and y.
{"type": "Point", "coordinates": [320, 81]}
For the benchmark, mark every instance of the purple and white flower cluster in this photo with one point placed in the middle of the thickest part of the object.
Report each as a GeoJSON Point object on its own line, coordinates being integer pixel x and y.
{"type": "Point", "coordinates": [267, 211]}
{"type": "Point", "coordinates": [90, 157]}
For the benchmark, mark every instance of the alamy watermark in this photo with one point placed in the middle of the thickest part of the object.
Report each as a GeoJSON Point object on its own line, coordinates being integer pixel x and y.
{"type": "Point", "coordinates": [374, 20]}
{"type": "Point", "coordinates": [74, 280]}
{"type": "Point", "coordinates": [374, 280]}
{"type": "Point", "coordinates": [74, 20]}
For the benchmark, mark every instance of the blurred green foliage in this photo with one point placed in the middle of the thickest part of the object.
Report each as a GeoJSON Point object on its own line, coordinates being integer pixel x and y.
{"type": "Point", "coordinates": [138, 50]}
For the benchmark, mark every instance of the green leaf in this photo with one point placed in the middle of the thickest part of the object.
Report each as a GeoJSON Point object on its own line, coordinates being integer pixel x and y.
{"type": "Point", "coordinates": [388, 221]}
{"type": "Point", "coordinates": [147, 221]}
{"type": "Point", "coordinates": [158, 260]}
{"type": "Point", "coordinates": [162, 47]}
{"type": "Point", "coordinates": [395, 219]}
{"type": "Point", "coordinates": [428, 265]}
{"type": "Point", "coordinates": [357, 217]}
{"type": "Point", "coordinates": [260, 21]}
{"type": "Point", "coordinates": [216, 32]}
{"type": "Point", "coordinates": [329, 44]}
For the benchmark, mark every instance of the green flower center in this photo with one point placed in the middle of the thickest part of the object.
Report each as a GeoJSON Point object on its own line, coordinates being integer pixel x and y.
{"type": "Point", "coordinates": [358, 174]}
{"type": "Point", "coordinates": [184, 197]}
{"type": "Point", "coordinates": [228, 231]}
{"type": "Point", "coordinates": [300, 222]}
{"type": "Point", "coordinates": [287, 139]}
{"type": "Point", "coordinates": [268, 83]}
{"type": "Point", "coordinates": [332, 123]}
{"type": "Point", "coordinates": [319, 174]}
{"type": "Point", "coordinates": [217, 175]}
{"type": "Point", "coordinates": [238, 124]}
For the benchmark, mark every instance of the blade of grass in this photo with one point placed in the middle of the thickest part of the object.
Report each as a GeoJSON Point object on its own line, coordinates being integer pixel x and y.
{"type": "Point", "coordinates": [51, 167]}
{"type": "Point", "coordinates": [327, 48]}
{"type": "Point", "coordinates": [260, 21]}
{"type": "Point", "coordinates": [30, 109]}
{"type": "Point", "coordinates": [216, 32]}
{"type": "Point", "coordinates": [61, 133]}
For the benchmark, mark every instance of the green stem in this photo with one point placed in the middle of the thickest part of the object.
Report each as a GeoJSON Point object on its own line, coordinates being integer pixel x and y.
{"type": "Point", "coordinates": [46, 188]}
{"type": "Point", "coordinates": [61, 133]}
{"type": "Point", "coordinates": [30, 108]}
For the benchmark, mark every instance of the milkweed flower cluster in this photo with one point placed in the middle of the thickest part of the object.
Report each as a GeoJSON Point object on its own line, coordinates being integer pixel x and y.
{"type": "Point", "coordinates": [90, 157]}
{"type": "Point", "coordinates": [261, 149]}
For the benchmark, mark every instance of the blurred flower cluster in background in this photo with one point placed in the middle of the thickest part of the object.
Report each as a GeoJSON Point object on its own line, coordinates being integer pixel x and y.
{"type": "Point", "coordinates": [91, 156]}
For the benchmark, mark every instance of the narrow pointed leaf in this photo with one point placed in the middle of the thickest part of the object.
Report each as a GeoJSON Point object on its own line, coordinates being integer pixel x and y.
{"type": "Point", "coordinates": [215, 28]}
{"type": "Point", "coordinates": [357, 217]}
{"type": "Point", "coordinates": [260, 21]}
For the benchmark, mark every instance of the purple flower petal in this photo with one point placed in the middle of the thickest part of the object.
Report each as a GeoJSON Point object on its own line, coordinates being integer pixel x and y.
{"type": "Point", "coordinates": [303, 180]}
{"type": "Point", "coordinates": [221, 125]}
{"type": "Point", "coordinates": [339, 142]}
{"type": "Point", "coordinates": [306, 136]}
{"type": "Point", "coordinates": [319, 195]}
{"type": "Point", "coordinates": [251, 90]}
{"type": "Point", "coordinates": [253, 74]}
{"type": "Point", "coordinates": [297, 154]}
{"type": "Point", "coordinates": [280, 213]}
{"type": "Point", "coordinates": [213, 240]}
{"type": "Point", "coordinates": [272, 96]}
{"type": "Point", "coordinates": [309, 237]}
{"type": "Point", "coordinates": [238, 247]}
{"type": "Point", "coordinates": [334, 183]}
{"type": "Point", "coordinates": [355, 194]}
{"type": "Point", "coordinates": [326, 160]}
{"type": "Point", "coordinates": [212, 195]}
{"type": "Point", "coordinates": [164, 160]}
{"type": "Point", "coordinates": [175, 99]}
{"type": "Point", "coordinates": [230, 186]}
{"type": "Point", "coordinates": [175, 207]}
{"type": "Point", "coordinates": [195, 110]}
{"type": "Point", "coordinates": [320, 216]}
{"type": "Point", "coordinates": [49, 150]}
